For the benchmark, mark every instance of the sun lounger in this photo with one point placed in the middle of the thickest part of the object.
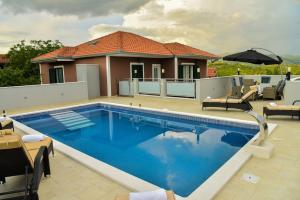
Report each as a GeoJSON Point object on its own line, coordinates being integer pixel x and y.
{"type": "Point", "coordinates": [170, 196]}
{"type": "Point", "coordinates": [30, 190]}
{"type": "Point", "coordinates": [231, 102]}
{"type": "Point", "coordinates": [16, 155]}
{"type": "Point", "coordinates": [287, 110]}
{"type": "Point", "coordinates": [6, 124]}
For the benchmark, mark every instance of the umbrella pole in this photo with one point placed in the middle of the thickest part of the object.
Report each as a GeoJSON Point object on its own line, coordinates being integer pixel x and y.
{"type": "Point", "coordinates": [281, 76]}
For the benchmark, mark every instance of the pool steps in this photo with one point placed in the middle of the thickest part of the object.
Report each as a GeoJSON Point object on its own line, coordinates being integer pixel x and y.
{"type": "Point", "coordinates": [72, 120]}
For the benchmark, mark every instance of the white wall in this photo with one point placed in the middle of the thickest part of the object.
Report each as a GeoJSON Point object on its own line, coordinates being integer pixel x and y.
{"type": "Point", "coordinates": [291, 92]}
{"type": "Point", "coordinates": [37, 95]}
{"type": "Point", "coordinates": [215, 87]}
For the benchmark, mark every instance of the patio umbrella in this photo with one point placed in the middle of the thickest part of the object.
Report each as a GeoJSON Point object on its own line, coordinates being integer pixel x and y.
{"type": "Point", "coordinates": [254, 57]}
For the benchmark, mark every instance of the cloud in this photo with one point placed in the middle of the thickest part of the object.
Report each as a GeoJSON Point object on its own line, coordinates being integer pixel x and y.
{"type": "Point", "coordinates": [216, 25]}
{"type": "Point", "coordinates": [36, 26]}
{"type": "Point", "coordinates": [81, 8]}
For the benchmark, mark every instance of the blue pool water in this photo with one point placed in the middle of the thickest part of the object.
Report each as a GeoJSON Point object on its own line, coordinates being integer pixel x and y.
{"type": "Point", "coordinates": [171, 151]}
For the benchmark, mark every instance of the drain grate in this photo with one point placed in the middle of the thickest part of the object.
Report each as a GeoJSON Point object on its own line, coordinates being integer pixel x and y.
{"type": "Point", "coordinates": [250, 178]}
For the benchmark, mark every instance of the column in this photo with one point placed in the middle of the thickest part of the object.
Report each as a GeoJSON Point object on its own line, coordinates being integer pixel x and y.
{"type": "Point", "coordinates": [175, 67]}
{"type": "Point", "coordinates": [108, 76]}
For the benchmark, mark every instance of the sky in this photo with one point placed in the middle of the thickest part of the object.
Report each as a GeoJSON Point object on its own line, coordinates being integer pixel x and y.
{"type": "Point", "coordinates": [218, 26]}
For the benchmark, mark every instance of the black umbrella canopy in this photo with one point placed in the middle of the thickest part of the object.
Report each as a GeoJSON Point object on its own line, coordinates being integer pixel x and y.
{"type": "Point", "coordinates": [254, 57]}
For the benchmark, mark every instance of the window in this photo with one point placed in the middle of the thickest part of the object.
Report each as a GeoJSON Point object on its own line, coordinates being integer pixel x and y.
{"type": "Point", "coordinates": [56, 74]}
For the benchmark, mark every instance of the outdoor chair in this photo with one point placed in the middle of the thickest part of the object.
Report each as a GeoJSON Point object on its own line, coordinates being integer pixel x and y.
{"type": "Point", "coordinates": [30, 190]}
{"type": "Point", "coordinates": [241, 80]}
{"type": "Point", "coordinates": [170, 196]}
{"type": "Point", "coordinates": [231, 102]}
{"type": "Point", "coordinates": [6, 124]}
{"type": "Point", "coordinates": [236, 89]}
{"type": "Point", "coordinates": [287, 110]}
{"type": "Point", "coordinates": [16, 156]}
{"type": "Point", "coordinates": [274, 92]}
{"type": "Point", "coordinates": [246, 87]}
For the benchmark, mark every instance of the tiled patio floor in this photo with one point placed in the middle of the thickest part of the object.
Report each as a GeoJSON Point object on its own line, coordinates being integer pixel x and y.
{"type": "Point", "coordinates": [279, 176]}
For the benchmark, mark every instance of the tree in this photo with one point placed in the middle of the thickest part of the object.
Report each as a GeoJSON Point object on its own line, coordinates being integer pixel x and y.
{"type": "Point", "coordinates": [20, 67]}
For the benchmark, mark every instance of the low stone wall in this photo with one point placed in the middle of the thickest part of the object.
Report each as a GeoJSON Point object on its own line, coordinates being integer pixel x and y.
{"type": "Point", "coordinates": [291, 92]}
{"type": "Point", "coordinates": [38, 95]}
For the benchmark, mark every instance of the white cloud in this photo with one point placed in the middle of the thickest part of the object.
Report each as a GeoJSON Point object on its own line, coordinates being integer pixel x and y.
{"type": "Point", "coordinates": [214, 25]}
{"type": "Point", "coordinates": [43, 26]}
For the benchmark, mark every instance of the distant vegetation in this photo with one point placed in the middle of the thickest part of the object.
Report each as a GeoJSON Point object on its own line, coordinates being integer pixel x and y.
{"type": "Point", "coordinates": [230, 68]}
{"type": "Point", "coordinates": [20, 70]}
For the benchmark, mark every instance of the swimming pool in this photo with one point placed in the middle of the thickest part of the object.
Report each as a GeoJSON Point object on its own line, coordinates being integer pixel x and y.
{"type": "Point", "coordinates": [172, 151]}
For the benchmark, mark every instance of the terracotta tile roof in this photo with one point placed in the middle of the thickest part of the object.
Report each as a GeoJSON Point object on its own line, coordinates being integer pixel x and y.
{"type": "Point", "coordinates": [184, 50]}
{"type": "Point", "coordinates": [123, 43]}
{"type": "Point", "coordinates": [64, 52]}
{"type": "Point", "coordinates": [4, 58]}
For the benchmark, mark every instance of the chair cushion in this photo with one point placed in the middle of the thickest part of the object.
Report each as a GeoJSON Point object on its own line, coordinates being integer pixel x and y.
{"type": "Point", "coordinates": [229, 100]}
{"type": "Point", "coordinates": [234, 100]}
{"type": "Point", "coordinates": [32, 154]}
{"type": "Point", "coordinates": [215, 100]}
{"type": "Point", "coordinates": [30, 149]}
{"type": "Point", "coordinates": [252, 90]}
{"type": "Point", "coordinates": [36, 145]}
{"type": "Point", "coordinates": [6, 132]}
{"type": "Point", "coordinates": [6, 122]}
{"type": "Point", "coordinates": [283, 107]}
{"type": "Point", "coordinates": [10, 141]}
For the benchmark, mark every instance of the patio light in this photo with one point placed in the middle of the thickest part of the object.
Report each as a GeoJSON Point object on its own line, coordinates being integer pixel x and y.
{"type": "Point", "coordinates": [163, 70]}
{"type": "Point", "coordinates": [288, 74]}
{"type": "Point", "coordinates": [198, 69]}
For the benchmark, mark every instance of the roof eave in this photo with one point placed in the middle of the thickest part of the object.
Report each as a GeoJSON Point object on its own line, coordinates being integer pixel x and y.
{"type": "Point", "coordinates": [53, 59]}
{"type": "Point", "coordinates": [193, 56]}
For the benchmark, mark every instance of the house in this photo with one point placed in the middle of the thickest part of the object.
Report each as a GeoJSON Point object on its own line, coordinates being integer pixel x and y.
{"type": "Point", "coordinates": [3, 60]}
{"type": "Point", "coordinates": [123, 55]}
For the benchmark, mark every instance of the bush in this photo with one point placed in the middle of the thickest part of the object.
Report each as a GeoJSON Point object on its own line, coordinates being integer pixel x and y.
{"type": "Point", "coordinates": [20, 70]}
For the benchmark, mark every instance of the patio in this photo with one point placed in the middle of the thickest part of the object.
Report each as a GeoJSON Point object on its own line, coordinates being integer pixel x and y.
{"type": "Point", "coordinates": [279, 176]}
